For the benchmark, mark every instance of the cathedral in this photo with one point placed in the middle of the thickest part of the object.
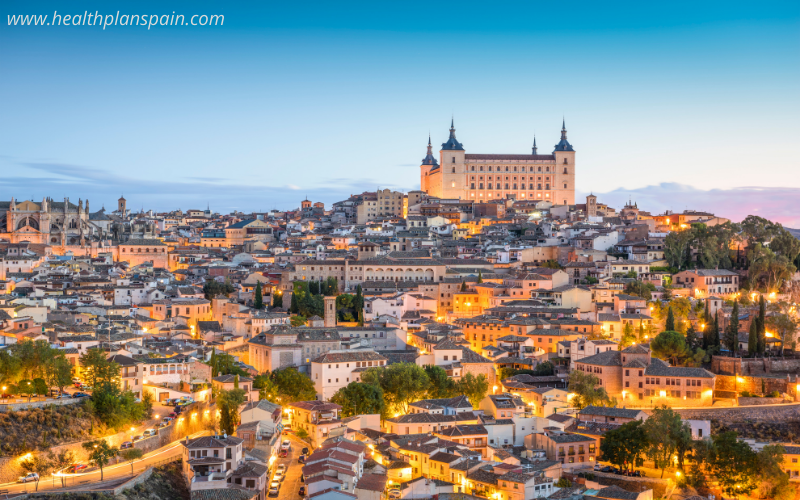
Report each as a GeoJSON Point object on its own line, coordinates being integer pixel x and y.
{"type": "Point", "coordinates": [488, 177]}
{"type": "Point", "coordinates": [57, 223]}
{"type": "Point", "coordinates": [49, 222]}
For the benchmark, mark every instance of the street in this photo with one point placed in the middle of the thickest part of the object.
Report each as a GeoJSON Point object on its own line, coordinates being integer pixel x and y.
{"type": "Point", "coordinates": [291, 485]}
{"type": "Point", "coordinates": [110, 473]}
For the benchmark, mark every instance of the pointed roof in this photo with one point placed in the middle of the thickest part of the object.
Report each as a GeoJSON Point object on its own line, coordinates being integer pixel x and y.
{"type": "Point", "coordinates": [429, 158]}
{"type": "Point", "coordinates": [534, 145]}
{"type": "Point", "coordinates": [563, 145]}
{"type": "Point", "coordinates": [452, 144]}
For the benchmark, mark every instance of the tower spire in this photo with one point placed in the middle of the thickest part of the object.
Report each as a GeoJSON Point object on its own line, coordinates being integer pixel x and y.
{"type": "Point", "coordinates": [534, 144]}
{"type": "Point", "coordinates": [564, 145]}
{"type": "Point", "coordinates": [429, 158]}
{"type": "Point", "coordinates": [452, 143]}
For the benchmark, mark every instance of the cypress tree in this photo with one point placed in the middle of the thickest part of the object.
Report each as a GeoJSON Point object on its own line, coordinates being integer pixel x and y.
{"type": "Point", "coordinates": [752, 340]}
{"type": "Point", "coordinates": [761, 325]}
{"type": "Point", "coordinates": [359, 300]}
{"type": "Point", "coordinates": [463, 286]}
{"type": "Point", "coordinates": [715, 338]}
{"type": "Point", "coordinates": [480, 277]}
{"type": "Point", "coordinates": [277, 299]}
{"type": "Point", "coordinates": [258, 301]}
{"type": "Point", "coordinates": [294, 307]}
{"type": "Point", "coordinates": [732, 332]}
{"type": "Point", "coordinates": [236, 381]}
{"type": "Point", "coordinates": [691, 337]}
{"type": "Point", "coordinates": [213, 362]}
{"type": "Point", "coordinates": [706, 314]}
{"type": "Point", "coordinates": [670, 324]}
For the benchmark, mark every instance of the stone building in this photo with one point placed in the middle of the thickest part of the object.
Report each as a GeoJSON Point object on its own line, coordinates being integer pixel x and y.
{"type": "Point", "coordinates": [488, 177]}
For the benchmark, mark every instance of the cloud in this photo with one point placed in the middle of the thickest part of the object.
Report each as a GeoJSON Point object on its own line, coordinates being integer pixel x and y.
{"type": "Point", "coordinates": [777, 204]}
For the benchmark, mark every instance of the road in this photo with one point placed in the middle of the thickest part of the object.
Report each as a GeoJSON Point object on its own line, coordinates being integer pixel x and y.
{"type": "Point", "coordinates": [110, 473]}
{"type": "Point", "coordinates": [291, 485]}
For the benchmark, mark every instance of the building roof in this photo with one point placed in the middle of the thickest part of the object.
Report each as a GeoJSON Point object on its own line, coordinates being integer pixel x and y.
{"type": "Point", "coordinates": [607, 411]}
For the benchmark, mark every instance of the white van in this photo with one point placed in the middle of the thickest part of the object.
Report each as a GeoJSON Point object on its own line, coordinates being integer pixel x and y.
{"type": "Point", "coordinates": [149, 432]}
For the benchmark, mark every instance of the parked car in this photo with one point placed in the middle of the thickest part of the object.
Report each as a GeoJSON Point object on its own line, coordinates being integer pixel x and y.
{"type": "Point", "coordinates": [281, 468]}
{"type": "Point", "coordinates": [63, 395]}
{"type": "Point", "coordinates": [30, 477]}
{"type": "Point", "coordinates": [302, 491]}
{"type": "Point", "coordinates": [283, 454]}
{"type": "Point", "coordinates": [607, 469]}
{"type": "Point", "coordinates": [6, 396]}
{"type": "Point", "coordinates": [305, 450]}
{"type": "Point", "coordinates": [186, 399]}
{"type": "Point", "coordinates": [301, 459]}
{"type": "Point", "coordinates": [286, 444]}
{"type": "Point", "coordinates": [77, 468]}
{"type": "Point", "coordinates": [393, 493]}
{"type": "Point", "coordinates": [273, 492]}
{"type": "Point", "coordinates": [126, 445]}
{"type": "Point", "coordinates": [80, 395]}
{"type": "Point", "coordinates": [137, 438]}
{"type": "Point", "coordinates": [150, 432]}
{"type": "Point", "coordinates": [302, 479]}
{"type": "Point", "coordinates": [278, 476]}
{"type": "Point", "coordinates": [274, 488]}
{"type": "Point", "coordinates": [173, 415]}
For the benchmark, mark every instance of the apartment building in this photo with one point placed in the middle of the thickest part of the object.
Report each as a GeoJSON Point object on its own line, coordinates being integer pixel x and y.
{"type": "Point", "coordinates": [317, 418]}
{"type": "Point", "coordinates": [335, 369]}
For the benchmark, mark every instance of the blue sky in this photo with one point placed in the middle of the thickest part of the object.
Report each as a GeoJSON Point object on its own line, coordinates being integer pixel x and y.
{"type": "Point", "coordinates": [663, 101]}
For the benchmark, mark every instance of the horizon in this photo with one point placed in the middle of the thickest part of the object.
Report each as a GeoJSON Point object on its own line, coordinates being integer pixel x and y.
{"type": "Point", "coordinates": [688, 107]}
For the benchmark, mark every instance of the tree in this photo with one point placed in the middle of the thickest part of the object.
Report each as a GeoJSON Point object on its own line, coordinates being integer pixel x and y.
{"type": "Point", "coordinates": [298, 320]}
{"type": "Point", "coordinates": [291, 386]}
{"type": "Point", "coordinates": [774, 482]}
{"type": "Point", "coordinates": [474, 388]}
{"type": "Point", "coordinates": [228, 403]}
{"type": "Point", "coordinates": [463, 287]}
{"type": "Point", "coordinates": [670, 345]}
{"type": "Point", "coordinates": [258, 301]}
{"type": "Point", "coordinates": [266, 388]}
{"type": "Point", "coordinates": [147, 404]}
{"type": "Point", "coordinates": [59, 373]}
{"type": "Point", "coordinates": [359, 301]}
{"type": "Point", "coordinates": [640, 289]}
{"type": "Point", "coordinates": [277, 299]}
{"type": "Point", "coordinates": [761, 320]}
{"type": "Point", "coordinates": [732, 332]}
{"type": "Point", "coordinates": [734, 464]}
{"type": "Point", "coordinates": [61, 460]}
{"type": "Point", "coordinates": [212, 288]}
{"type": "Point", "coordinates": [37, 464]}
{"type": "Point", "coordinates": [97, 368]}
{"type": "Point", "coordinates": [132, 454]}
{"type": "Point", "coordinates": [544, 369]}
{"type": "Point", "coordinates": [480, 276]}
{"type": "Point", "coordinates": [692, 341]}
{"type": "Point", "coordinates": [670, 324]}
{"type": "Point", "coordinates": [402, 384]}
{"type": "Point", "coordinates": [625, 445]}
{"type": "Point", "coordinates": [677, 246]}
{"type": "Point", "coordinates": [785, 244]}
{"type": "Point", "coordinates": [294, 307]}
{"type": "Point", "coordinates": [359, 398]}
{"type": "Point", "coordinates": [783, 322]}
{"type": "Point", "coordinates": [584, 386]}
{"type": "Point", "coordinates": [441, 385]}
{"type": "Point", "coordinates": [752, 339]}
{"type": "Point", "coordinates": [664, 430]}
{"type": "Point", "coordinates": [100, 453]}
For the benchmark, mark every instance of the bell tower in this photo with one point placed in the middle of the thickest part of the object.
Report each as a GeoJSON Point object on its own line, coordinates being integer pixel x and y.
{"type": "Point", "coordinates": [121, 205]}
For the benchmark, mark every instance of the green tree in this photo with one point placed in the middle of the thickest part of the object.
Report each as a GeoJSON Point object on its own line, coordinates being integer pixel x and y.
{"type": "Point", "coordinates": [480, 276]}
{"type": "Point", "coordinates": [277, 299]}
{"type": "Point", "coordinates": [463, 287]}
{"type": "Point", "coordinates": [782, 321]}
{"type": "Point", "coordinates": [402, 384]}
{"type": "Point", "coordinates": [544, 369]}
{"type": "Point", "coordinates": [625, 445]}
{"type": "Point", "coordinates": [587, 393]}
{"type": "Point", "coordinates": [359, 398]}
{"type": "Point", "coordinates": [294, 306]}
{"type": "Point", "coordinates": [59, 373]}
{"type": "Point", "coordinates": [677, 248]}
{"type": "Point", "coordinates": [228, 403]}
{"type": "Point", "coordinates": [100, 453]}
{"type": "Point", "coordinates": [692, 341]}
{"type": "Point", "coordinates": [734, 464]}
{"type": "Point", "coordinates": [752, 339]}
{"type": "Point", "coordinates": [298, 320]}
{"type": "Point", "coordinates": [97, 369]}
{"type": "Point", "coordinates": [732, 332]}
{"type": "Point", "coordinates": [258, 301]}
{"type": "Point", "coordinates": [441, 386]}
{"type": "Point", "coordinates": [664, 430]}
{"type": "Point", "coordinates": [786, 245]}
{"type": "Point", "coordinates": [474, 388]}
{"type": "Point", "coordinates": [131, 454]}
{"type": "Point", "coordinates": [291, 386]}
{"type": "Point", "coordinates": [359, 301]}
{"type": "Point", "coordinates": [37, 464]}
{"type": "Point", "coordinates": [773, 481]}
{"type": "Point", "coordinates": [266, 388]}
{"type": "Point", "coordinates": [761, 324]}
{"type": "Point", "coordinates": [670, 324]}
{"type": "Point", "coordinates": [670, 345]}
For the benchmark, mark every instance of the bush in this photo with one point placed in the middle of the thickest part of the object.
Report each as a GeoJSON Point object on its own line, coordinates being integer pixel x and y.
{"type": "Point", "coordinates": [774, 394]}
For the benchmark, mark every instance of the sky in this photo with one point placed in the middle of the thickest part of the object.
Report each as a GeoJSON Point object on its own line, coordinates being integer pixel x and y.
{"type": "Point", "coordinates": [673, 104]}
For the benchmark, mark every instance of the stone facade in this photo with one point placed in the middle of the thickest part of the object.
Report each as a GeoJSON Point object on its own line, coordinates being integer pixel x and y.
{"type": "Point", "coordinates": [487, 177]}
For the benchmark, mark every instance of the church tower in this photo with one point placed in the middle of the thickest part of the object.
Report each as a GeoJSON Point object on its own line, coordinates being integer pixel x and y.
{"type": "Point", "coordinates": [121, 205]}
{"type": "Point", "coordinates": [564, 184]}
{"type": "Point", "coordinates": [428, 168]}
{"type": "Point", "coordinates": [591, 206]}
{"type": "Point", "coordinates": [451, 157]}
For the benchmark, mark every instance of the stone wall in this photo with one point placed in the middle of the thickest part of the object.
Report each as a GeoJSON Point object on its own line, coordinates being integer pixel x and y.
{"type": "Point", "coordinates": [760, 401]}
{"type": "Point", "coordinates": [39, 404]}
{"type": "Point", "coordinates": [744, 413]}
{"type": "Point", "coordinates": [756, 385]}
{"type": "Point", "coordinates": [724, 365]}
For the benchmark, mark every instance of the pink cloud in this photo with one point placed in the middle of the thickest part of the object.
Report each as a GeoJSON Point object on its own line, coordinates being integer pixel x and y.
{"type": "Point", "coordinates": [776, 204]}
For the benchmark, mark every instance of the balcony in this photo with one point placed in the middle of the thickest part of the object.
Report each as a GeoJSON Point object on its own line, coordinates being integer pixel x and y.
{"type": "Point", "coordinates": [213, 480]}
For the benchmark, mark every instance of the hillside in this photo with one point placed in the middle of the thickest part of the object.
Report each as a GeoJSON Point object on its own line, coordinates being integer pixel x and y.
{"type": "Point", "coordinates": [41, 428]}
